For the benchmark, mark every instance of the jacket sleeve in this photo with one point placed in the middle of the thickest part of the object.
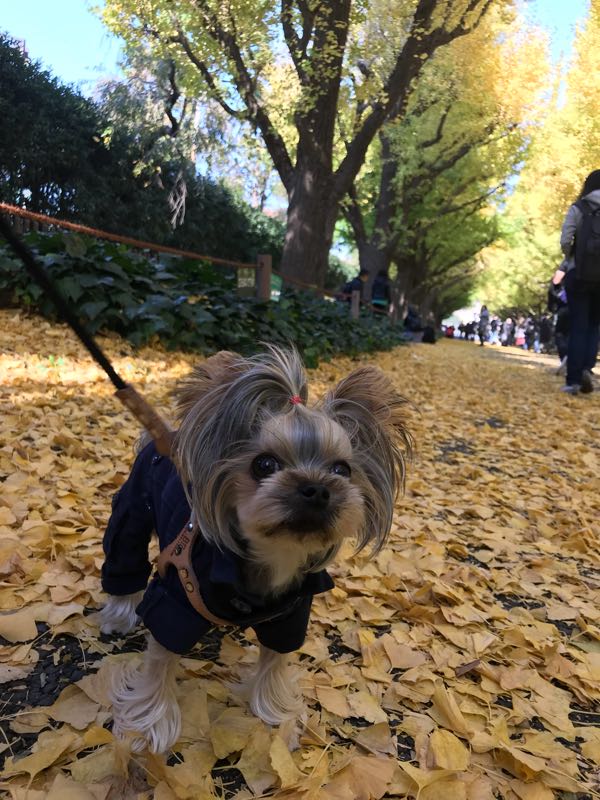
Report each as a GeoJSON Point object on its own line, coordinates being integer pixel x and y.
{"type": "Point", "coordinates": [286, 634]}
{"type": "Point", "coordinates": [567, 236]}
{"type": "Point", "coordinates": [126, 566]}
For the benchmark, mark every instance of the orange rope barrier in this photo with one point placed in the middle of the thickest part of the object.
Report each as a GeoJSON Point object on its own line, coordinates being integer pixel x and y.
{"type": "Point", "coordinates": [6, 208]}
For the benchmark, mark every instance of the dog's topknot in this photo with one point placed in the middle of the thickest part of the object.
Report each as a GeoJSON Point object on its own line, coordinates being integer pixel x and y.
{"type": "Point", "coordinates": [221, 406]}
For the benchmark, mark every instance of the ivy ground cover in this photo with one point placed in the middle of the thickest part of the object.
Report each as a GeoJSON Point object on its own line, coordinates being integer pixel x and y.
{"type": "Point", "coordinates": [462, 663]}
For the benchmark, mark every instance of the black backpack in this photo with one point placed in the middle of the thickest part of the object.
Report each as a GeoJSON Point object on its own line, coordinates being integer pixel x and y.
{"type": "Point", "coordinates": [587, 243]}
{"type": "Point", "coordinates": [428, 335]}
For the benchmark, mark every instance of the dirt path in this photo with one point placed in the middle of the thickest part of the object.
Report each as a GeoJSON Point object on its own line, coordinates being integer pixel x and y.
{"type": "Point", "coordinates": [462, 663]}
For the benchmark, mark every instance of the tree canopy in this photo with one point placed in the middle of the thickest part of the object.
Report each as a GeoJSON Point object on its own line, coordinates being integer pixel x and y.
{"type": "Point", "coordinates": [565, 148]}
{"type": "Point", "coordinates": [434, 136]}
{"type": "Point", "coordinates": [289, 72]}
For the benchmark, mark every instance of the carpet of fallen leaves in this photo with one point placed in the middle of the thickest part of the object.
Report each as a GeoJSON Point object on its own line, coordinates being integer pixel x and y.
{"type": "Point", "coordinates": [462, 663]}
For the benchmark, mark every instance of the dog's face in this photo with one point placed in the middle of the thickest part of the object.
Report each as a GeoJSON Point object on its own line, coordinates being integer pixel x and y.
{"type": "Point", "coordinates": [290, 482]}
{"type": "Point", "coordinates": [299, 484]}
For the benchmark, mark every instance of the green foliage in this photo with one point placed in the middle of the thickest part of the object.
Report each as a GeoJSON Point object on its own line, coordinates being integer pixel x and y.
{"type": "Point", "coordinates": [183, 304]}
{"type": "Point", "coordinates": [64, 155]}
{"type": "Point", "coordinates": [219, 223]}
{"type": "Point", "coordinates": [48, 135]}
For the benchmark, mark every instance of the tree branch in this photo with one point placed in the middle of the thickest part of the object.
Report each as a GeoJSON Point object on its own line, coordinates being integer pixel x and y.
{"type": "Point", "coordinates": [437, 137]}
{"type": "Point", "coordinates": [171, 102]}
{"type": "Point", "coordinates": [417, 48]}
{"type": "Point", "coordinates": [246, 87]}
{"type": "Point", "coordinates": [353, 213]}
{"type": "Point", "coordinates": [296, 46]}
{"type": "Point", "coordinates": [476, 201]}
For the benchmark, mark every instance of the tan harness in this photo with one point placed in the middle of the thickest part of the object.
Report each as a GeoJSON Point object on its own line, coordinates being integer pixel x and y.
{"type": "Point", "coordinates": [179, 554]}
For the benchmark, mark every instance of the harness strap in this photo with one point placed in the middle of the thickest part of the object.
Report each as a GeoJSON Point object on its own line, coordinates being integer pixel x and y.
{"type": "Point", "coordinates": [179, 555]}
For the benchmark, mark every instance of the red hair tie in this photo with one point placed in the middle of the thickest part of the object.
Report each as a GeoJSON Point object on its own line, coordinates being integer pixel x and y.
{"type": "Point", "coordinates": [296, 400]}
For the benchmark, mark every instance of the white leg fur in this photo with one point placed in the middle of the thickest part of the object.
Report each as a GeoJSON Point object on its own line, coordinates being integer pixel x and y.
{"type": "Point", "coordinates": [269, 690]}
{"type": "Point", "coordinates": [144, 702]}
{"type": "Point", "coordinates": [118, 615]}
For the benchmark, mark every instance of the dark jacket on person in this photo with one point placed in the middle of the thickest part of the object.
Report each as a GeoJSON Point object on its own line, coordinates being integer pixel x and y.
{"type": "Point", "coordinates": [380, 290]}
{"type": "Point", "coordinates": [153, 499]}
{"type": "Point", "coordinates": [570, 226]}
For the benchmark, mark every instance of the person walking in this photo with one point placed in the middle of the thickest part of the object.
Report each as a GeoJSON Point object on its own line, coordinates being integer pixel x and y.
{"type": "Point", "coordinates": [520, 333]}
{"type": "Point", "coordinates": [580, 243]}
{"type": "Point", "coordinates": [494, 330]}
{"type": "Point", "coordinates": [484, 321]}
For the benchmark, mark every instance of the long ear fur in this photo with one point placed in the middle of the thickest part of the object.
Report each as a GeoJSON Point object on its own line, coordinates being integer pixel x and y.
{"type": "Point", "coordinates": [222, 406]}
{"type": "Point", "coordinates": [371, 412]}
{"type": "Point", "coordinates": [213, 372]}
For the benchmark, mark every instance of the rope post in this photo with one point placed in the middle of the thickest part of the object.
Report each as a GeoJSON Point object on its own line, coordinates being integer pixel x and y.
{"type": "Point", "coordinates": [355, 304]}
{"type": "Point", "coordinates": [263, 277]}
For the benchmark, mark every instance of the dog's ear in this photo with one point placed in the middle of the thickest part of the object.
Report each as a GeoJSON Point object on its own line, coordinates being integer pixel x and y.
{"type": "Point", "coordinates": [223, 367]}
{"type": "Point", "coordinates": [373, 415]}
{"type": "Point", "coordinates": [366, 402]}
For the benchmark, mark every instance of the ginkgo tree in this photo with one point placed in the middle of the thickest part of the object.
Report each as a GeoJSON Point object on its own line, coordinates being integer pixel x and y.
{"type": "Point", "coordinates": [565, 148]}
{"type": "Point", "coordinates": [426, 199]}
{"type": "Point", "coordinates": [281, 69]}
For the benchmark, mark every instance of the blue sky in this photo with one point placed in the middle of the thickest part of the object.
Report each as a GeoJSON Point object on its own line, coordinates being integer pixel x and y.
{"type": "Point", "coordinates": [72, 42]}
{"type": "Point", "coordinates": [65, 36]}
{"type": "Point", "coordinates": [560, 18]}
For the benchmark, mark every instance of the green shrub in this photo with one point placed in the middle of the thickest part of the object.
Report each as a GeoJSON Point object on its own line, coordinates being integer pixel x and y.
{"type": "Point", "coordinates": [184, 304]}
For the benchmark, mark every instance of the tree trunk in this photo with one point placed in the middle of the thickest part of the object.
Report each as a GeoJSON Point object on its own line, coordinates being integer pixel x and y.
{"type": "Point", "coordinates": [428, 305]}
{"type": "Point", "coordinates": [403, 283]}
{"type": "Point", "coordinates": [372, 257]}
{"type": "Point", "coordinates": [309, 231]}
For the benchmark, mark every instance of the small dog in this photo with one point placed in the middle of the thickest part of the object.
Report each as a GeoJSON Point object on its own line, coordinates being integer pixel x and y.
{"type": "Point", "coordinates": [257, 499]}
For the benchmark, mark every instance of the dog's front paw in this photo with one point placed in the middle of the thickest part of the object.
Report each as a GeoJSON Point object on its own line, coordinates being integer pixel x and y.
{"type": "Point", "coordinates": [118, 615]}
{"type": "Point", "coordinates": [271, 691]}
{"type": "Point", "coordinates": [145, 708]}
{"type": "Point", "coordinates": [292, 729]}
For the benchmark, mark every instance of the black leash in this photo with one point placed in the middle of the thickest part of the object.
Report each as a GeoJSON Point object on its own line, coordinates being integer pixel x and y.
{"type": "Point", "coordinates": [157, 428]}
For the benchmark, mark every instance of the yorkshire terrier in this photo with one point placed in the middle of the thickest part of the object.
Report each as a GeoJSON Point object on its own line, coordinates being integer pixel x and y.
{"type": "Point", "coordinates": [259, 495]}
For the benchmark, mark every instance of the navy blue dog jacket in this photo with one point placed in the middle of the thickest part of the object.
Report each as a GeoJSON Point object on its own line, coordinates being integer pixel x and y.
{"type": "Point", "coordinates": [153, 499]}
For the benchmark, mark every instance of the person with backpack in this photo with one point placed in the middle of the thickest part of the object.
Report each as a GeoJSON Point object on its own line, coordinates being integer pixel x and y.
{"type": "Point", "coordinates": [380, 292]}
{"type": "Point", "coordinates": [580, 243]}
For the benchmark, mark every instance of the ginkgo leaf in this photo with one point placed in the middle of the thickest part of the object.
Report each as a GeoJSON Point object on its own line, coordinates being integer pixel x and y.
{"type": "Point", "coordinates": [448, 751]}
{"type": "Point", "coordinates": [334, 700]}
{"type": "Point", "coordinates": [230, 732]}
{"type": "Point", "coordinates": [282, 763]}
{"type": "Point", "coordinates": [74, 707]}
{"type": "Point", "coordinates": [50, 747]}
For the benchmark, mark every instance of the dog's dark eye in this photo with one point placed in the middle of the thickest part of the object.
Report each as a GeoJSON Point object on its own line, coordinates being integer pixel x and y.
{"type": "Point", "coordinates": [265, 465]}
{"type": "Point", "coordinates": [341, 468]}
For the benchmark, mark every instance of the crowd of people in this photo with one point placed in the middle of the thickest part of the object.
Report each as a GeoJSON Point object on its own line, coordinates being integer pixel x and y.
{"type": "Point", "coordinates": [571, 328]}
{"type": "Point", "coordinates": [540, 334]}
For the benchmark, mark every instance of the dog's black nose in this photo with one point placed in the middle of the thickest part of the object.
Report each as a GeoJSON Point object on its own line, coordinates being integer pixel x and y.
{"type": "Point", "coordinates": [315, 494]}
